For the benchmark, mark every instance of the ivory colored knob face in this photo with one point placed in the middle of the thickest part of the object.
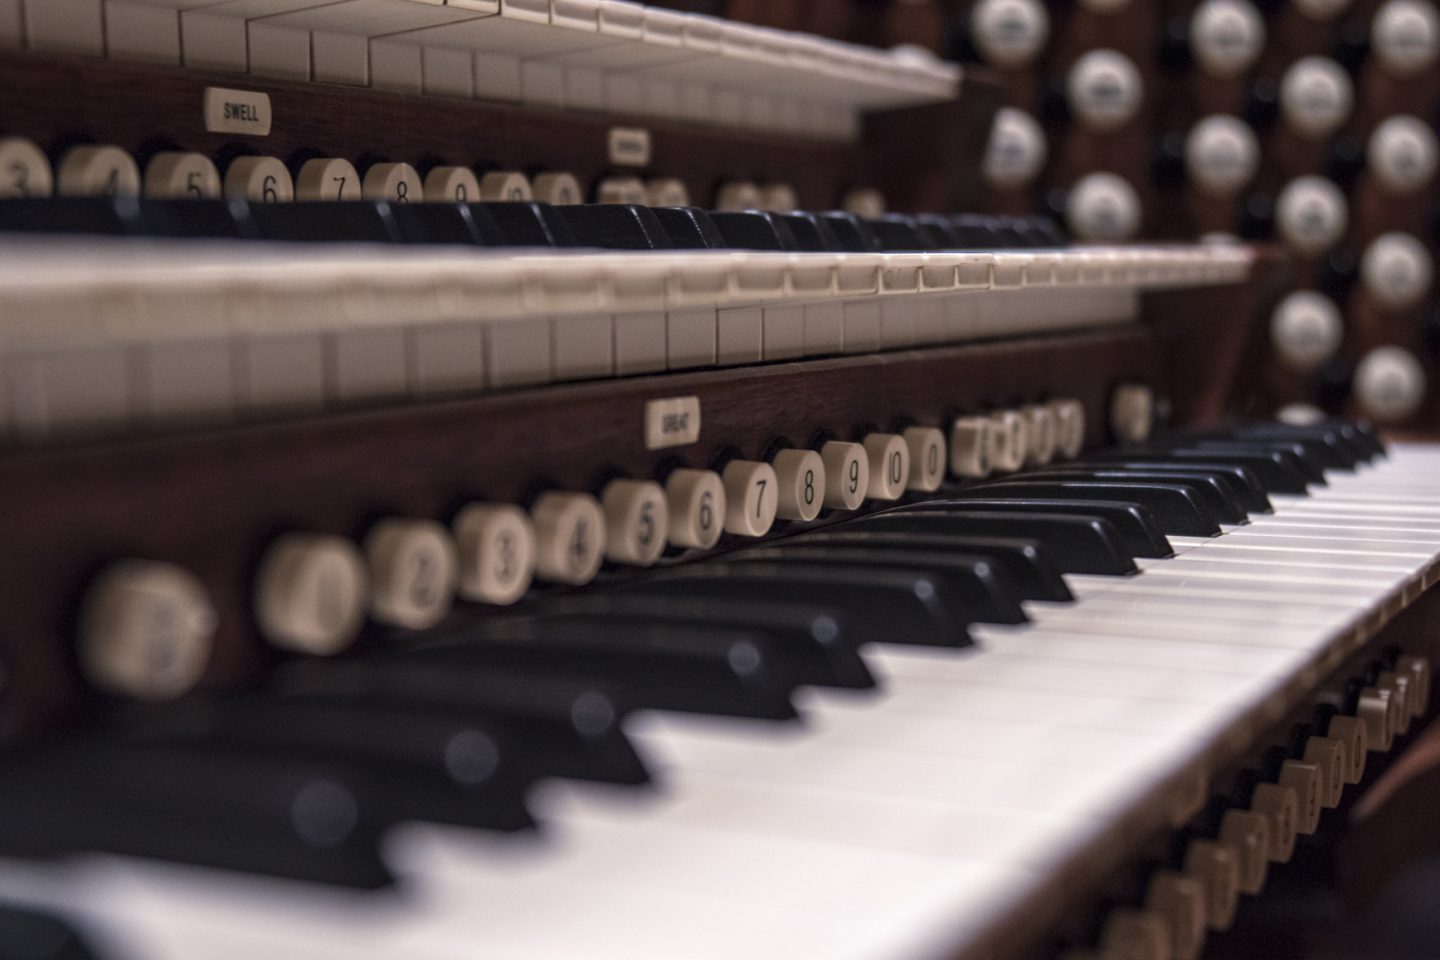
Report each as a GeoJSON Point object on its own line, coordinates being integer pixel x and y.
{"type": "Point", "coordinates": [778, 198]}
{"type": "Point", "coordinates": [1389, 384]}
{"type": "Point", "coordinates": [1327, 755]}
{"type": "Point", "coordinates": [1069, 428]}
{"type": "Point", "coordinates": [1226, 36]}
{"type": "Point", "coordinates": [1041, 425]}
{"type": "Point", "coordinates": [1009, 440]}
{"type": "Point", "coordinates": [1398, 684]}
{"type": "Point", "coordinates": [1103, 206]}
{"type": "Point", "coordinates": [557, 189]}
{"type": "Point", "coordinates": [1402, 154]}
{"type": "Point", "coordinates": [800, 484]}
{"type": "Point", "coordinates": [1311, 215]}
{"type": "Point", "coordinates": [1405, 36]}
{"type": "Point", "coordinates": [847, 474]}
{"type": "Point", "coordinates": [1305, 329]}
{"type": "Point", "coordinates": [1320, 9]}
{"type": "Point", "coordinates": [452, 185]}
{"type": "Point", "coordinates": [1418, 668]}
{"type": "Point", "coordinates": [311, 593]}
{"type": "Point", "coordinates": [1016, 150]}
{"type": "Point", "coordinates": [97, 171]}
{"type": "Point", "coordinates": [1396, 270]}
{"type": "Point", "coordinates": [1179, 899]}
{"type": "Point", "coordinates": [393, 183]}
{"type": "Point", "coordinates": [182, 176]}
{"type": "Point", "coordinates": [750, 498]}
{"type": "Point", "coordinates": [637, 521]}
{"type": "Point", "coordinates": [697, 508]}
{"type": "Point", "coordinates": [496, 544]}
{"type": "Point", "coordinates": [1132, 412]}
{"type": "Point", "coordinates": [506, 186]}
{"type": "Point", "coordinates": [1315, 97]}
{"type": "Point", "coordinates": [146, 630]}
{"type": "Point", "coordinates": [414, 568]}
{"type": "Point", "coordinates": [666, 192]}
{"type": "Point", "coordinates": [1373, 706]}
{"type": "Point", "coordinates": [1281, 809]}
{"type": "Point", "coordinates": [1128, 932]}
{"type": "Point", "coordinates": [1009, 33]}
{"type": "Point", "coordinates": [259, 180]}
{"type": "Point", "coordinates": [24, 169]}
{"type": "Point", "coordinates": [970, 446]}
{"type": "Point", "coordinates": [1216, 867]}
{"type": "Point", "coordinates": [327, 179]}
{"type": "Point", "coordinates": [1221, 155]}
{"type": "Point", "coordinates": [738, 195]}
{"type": "Point", "coordinates": [1352, 733]}
{"type": "Point", "coordinates": [864, 202]}
{"type": "Point", "coordinates": [1104, 89]}
{"type": "Point", "coordinates": [1247, 834]}
{"type": "Point", "coordinates": [569, 537]}
{"type": "Point", "coordinates": [1300, 414]}
{"type": "Point", "coordinates": [620, 190]}
{"type": "Point", "coordinates": [926, 447]}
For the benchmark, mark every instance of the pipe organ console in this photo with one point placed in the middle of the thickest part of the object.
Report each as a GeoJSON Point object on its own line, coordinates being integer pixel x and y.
{"type": "Point", "coordinates": [564, 478]}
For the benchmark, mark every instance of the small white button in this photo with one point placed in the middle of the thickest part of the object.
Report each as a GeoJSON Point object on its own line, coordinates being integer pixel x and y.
{"type": "Point", "coordinates": [1217, 869]}
{"type": "Point", "coordinates": [327, 179]}
{"type": "Point", "coordinates": [1180, 900]}
{"type": "Point", "coordinates": [1247, 835]}
{"type": "Point", "coordinates": [259, 180]}
{"type": "Point", "coordinates": [1315, 97]}
{"type": "Point", "coordinates": [24, 170]}
{"type": "Point", "coordinates": [667, 192]}
{"type": "Point", "coordinates": [750, 499]}
{"type": "Point", "coordinates": [1009, 33]}
{"type": "Point", "coordinates": [889, 465]}
{"type": "Point", "coordinates": [1016, 150]}
{"type": "Point", "coordinates": [182, 176]}
{"type": "Point", "coordinates": [1281, 810]}
{"type": "Point", "coordinates": [864, 202]}
{"type": "Point", "coordinates": [927, 458]}
{"type": "Point", "coordinates": [1402, 154]}
{"type": "Point", "coordinates": [637, 521]}
{"type": "Point", "coordinates": [505, 186]}
{"type": "Point", "coordinates": [970, 446]}
{"type": "Point", "coordinates": [310, 593]}
{"type": "Point", "coordinates": [1389, 383]}
{"type": "Point", "coordinates": [569, 537]}
{"type": "Point", "coordinates": [1103, 206]}
{"type": "Point", "coordinates": [1320, 9]}
{"type": "Point", "coordinates": [1405, 35]}
{"type": "Point", "coordinates": [847, 474]}
{"type": "Point", "coordinates": [1009, 440]}
{"type": "Point", "coordinates": [697, 507]}
{"type": "Point", "coordinates": [1226, 36]}
{"type": "Point", "coordinates": [98, 171]}
{"type": "Point", "coordinates": [620, 190]}
{"type": "Point", "coordinates": [800, 483]}
{"type": "Point", "coordinates": [1327, 755]}
{"type": "Point", "coordinates": [1305, 329]}
{"type": "Point", "coordinates": [738, 195]}
{"type": "Point", "coordinates": [1104, 89]}
{"type": "Point", "coordinates": [1396, 270]}
{"type": "Point", "coordinates": [1221, 155]}
{"type": "Point", "coordinates": [146, 630]}
{"type": "Point", "coordinates": [452, 185]}
{"type": "Point", "coordinates": [496, 544]}
{"type": "Point", "coordinates": [1311, 214]}
{"type": "Point", "coordinates": [414, 568]}
{"type": "Point", "coordinates": [557, 189]}
{"type": "Point", "coordinates": [1132, 412]}
{"type": "Point", "coordinates": [393, 183]}
{"type": "Point", "coordinates": [1069, 427]}
{"type": "Point", "coordinates": [778, 198]}
{"type": "Point", "coordinates": [1043, 433]}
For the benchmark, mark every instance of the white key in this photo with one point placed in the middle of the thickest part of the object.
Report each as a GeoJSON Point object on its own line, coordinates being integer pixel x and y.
{"type": "Point", "coordinates": [1009, 439]}
{"type": "Point", "coordinates": [1103, 206]}
{"type": "Point", "coordinates": [1104, 90]}
{"type": "Point", "coordinates": [1069, 428]}
{"type": "Point", "coordinates": [393, 183]}
{"type": "Point", "coordinates": [620, 190]}
{"type": "Point", "coordinates": [1396, 270]}
{"type": "Point", "coordinates": [452, 185]}
{"type": "Point", "coordinates": [1311, 215]}
{"type": "Point", "coordinates": [1221, 155]}
{"type": "Point", "coordinates": [926, 446]}
{"type": "Point", "coordinates": [637, 521]}
{"type": "Point", "coordinates": [1315, 97]}
{"type": "Point", "coordinates": [1405, 36]}
{"type": "Point", "coordinates": [327, 179]}
{"type": "Point", "coordinates": [569, 537]}
{"type": "Point", "coordinates": [97, 171]}
{"type": "Point", "coordinates": [414, 569]}
{"type": "Point", "coordinates": [667, 192]}
{"type": "Point", "coordinates": [311, 593]}
{"type": "Point", "coordinates": [146, 630]}
{"type": "Point", "coordinates": [1305, 329]}
{"type": "Point", "coordinates": [1009, 33]}
{"type": "Point", "coordinates": [778, 198]}
{"type": "Point", "coordinates": [1389, 383]}
{"type": "Point", "coordinates": [738, 195]}
{"type": "Point", "coordinates": [505, 185]}
{"type": "Point", "coordinates": [557, 189]}
{"type": "Point", "coordinates": [889, 458]}
{"type": "Point", "coordinates": [750, 500]}
{"type": "Point", "coordinates": [970, 446]}
{"type": "Point", "coordinates": [697, 507]}
{"type": "Point", "coordinates": [847, 474]}
{"type": "Point", "coordinates": [259, 180]}
{"type": "Point", "coordinates": [24, 169]}
{"type": "Point", "coordinates": [1016, 150]}
{"type": "Point", "coordinates": [800, 484]}
{"type": "Point", "coordinates": [496, 545]}
{"type": "Point", "coordinates": [1043, 433]}
{"type": "Point", "coordinates": [1402, 154]}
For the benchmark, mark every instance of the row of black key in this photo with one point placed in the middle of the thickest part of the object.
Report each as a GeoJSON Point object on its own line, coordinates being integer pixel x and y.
{"type": "Point", "coordinates": [301, 778]}
{"type": "Point", "coordinates": [607, 226]}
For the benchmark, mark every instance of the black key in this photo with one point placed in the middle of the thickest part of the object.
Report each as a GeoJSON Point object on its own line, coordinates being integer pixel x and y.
{"type": "Point", "coordinates": [880, 606]}
{"type": "Point", "coordinates": [898, 233]}
{"type": "Point", "coordinates": [200, 219]}
{"type": "Point", "coordinates": [1177, 510]}
{"type": "Point", "coordinates": [1242, 482]}
{"type": "Point", "coordinates": [987, 590]}
{"type": "Point", "coordinates": [1275, 470]}
{"type": "Point", "coordinates": [528, 224]}
{"type": "Point", "coordinates": [1046, 231]}
{"type": "Point", "coordinates": [1215, 491]}
{"type": "Point", "coordinates": [27, 934]}
{"type": "Point", "coordinates": [258, 814]}
{"type": "Point", "coordinates": [939, 231]}
{"type": "Point", "coordinates": [1081, 544]}
{"type": "Point", "coordinates": [851, 233]}
{"type": "Point", "coordinates": [357, 221]}
{"type": "Point", "coordinates": [571, 729]}
{"type": "Point", "coordinates": [689, 228]}
{"type": "Point", "coordinates": [1301, 460]}
{"type": "Point", "coordinates": [453, 223]}
{"type": "Point", "coordinates": [814, 640]}
{"type": "Point", "coordinates": [1362, 431]}
{"type": "Point", "coordinates": [615, 226]}
{"type": "Point", "coordinates": [1029, 562]}
{"type": "Point", "coordinates": [102, 216]}
{"type": "Point", "coordinates": [975, 231]}
{"type": "Point", "coordinates": [753, 230]}
{"type": "Point", "coordinates": [694, 669]}
{"type": "Point", "coordinates": [1135, 524]}
{"type": "Point", "coordinates": [811, 232]}
{"type": "Point", "coordinates": [1334, 451]}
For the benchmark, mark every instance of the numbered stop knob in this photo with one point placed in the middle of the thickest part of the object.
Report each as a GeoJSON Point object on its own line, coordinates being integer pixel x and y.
{"type": "Point", "coordinates": [889, 465]}
{"type": "Point", "coordinates": [800, 484]}
{"type": "Point", "coordinates": [750, 497]}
